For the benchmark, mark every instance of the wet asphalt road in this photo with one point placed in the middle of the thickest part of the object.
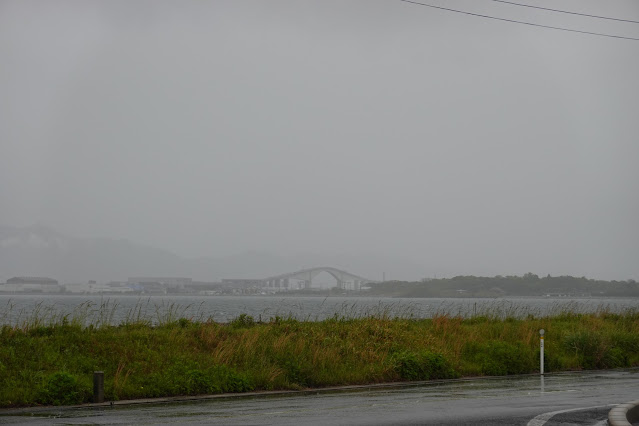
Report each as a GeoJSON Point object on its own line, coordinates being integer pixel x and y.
{"type": "Point", "coordinates": [563, 399]}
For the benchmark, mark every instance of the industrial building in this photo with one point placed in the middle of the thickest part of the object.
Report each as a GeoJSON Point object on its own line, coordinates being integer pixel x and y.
{"type": "Point", "coordinates": [32, 285]}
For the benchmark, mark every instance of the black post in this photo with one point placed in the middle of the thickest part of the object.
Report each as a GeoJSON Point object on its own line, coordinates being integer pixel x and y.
{"type": "Point", "coordinates": [98, 386]}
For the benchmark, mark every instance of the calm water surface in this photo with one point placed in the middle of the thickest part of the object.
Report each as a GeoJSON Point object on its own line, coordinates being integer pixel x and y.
{"type": "Point", "coordinates": [16, 309]}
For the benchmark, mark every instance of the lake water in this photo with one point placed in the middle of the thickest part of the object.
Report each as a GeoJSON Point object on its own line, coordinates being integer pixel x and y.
{"type": "Point", "coordinates": [17, 309]}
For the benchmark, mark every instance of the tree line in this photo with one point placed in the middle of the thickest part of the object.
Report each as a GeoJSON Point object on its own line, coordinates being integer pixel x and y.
{"type": "Point", "coordinates": [528, 284]}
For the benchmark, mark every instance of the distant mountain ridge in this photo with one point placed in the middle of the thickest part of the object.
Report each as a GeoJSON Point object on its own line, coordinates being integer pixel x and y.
{"type": "Point", "coordinates": [38, 250]}
{"type": "Point", "coordinates": [41, 251]}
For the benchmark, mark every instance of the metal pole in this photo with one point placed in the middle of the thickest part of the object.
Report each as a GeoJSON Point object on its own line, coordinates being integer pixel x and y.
{"type": "Point", "coordinates": [98, 386]}
{"type": "Point", "coordinates": [541, 351]}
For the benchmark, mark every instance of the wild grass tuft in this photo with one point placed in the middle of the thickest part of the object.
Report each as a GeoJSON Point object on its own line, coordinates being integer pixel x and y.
{"type": "Point", "coordinates": [48, 356]}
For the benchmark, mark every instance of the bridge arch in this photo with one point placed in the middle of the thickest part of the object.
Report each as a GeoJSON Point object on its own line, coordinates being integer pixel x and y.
{"type": "Point", "coordinates": [345, 280]}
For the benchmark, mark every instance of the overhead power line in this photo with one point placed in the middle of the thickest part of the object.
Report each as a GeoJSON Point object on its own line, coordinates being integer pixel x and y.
{"type": "Point", "coordinates": [519, 22]}
{"type": "Point", "coordinates": [566, 11]}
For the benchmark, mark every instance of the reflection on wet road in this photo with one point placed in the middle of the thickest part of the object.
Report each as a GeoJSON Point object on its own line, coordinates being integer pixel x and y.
{"type": "Point", "coordinates": [579, 398]}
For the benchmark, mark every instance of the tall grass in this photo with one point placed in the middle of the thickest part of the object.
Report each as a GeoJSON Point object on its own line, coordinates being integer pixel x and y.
{"type": "Point", "coordinates": [48, 356]}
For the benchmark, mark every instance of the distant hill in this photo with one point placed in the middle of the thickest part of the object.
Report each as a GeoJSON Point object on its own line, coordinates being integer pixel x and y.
{"type": "Point", "coordinates": [527, 285]}
{"type": "Point", "coordinates": [41, 251]}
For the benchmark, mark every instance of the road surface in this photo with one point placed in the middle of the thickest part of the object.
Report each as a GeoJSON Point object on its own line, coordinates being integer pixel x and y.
{"type": "Point", "coordinates": [582, 398]}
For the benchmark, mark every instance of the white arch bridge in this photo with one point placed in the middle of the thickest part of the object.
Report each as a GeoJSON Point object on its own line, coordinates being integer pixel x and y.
{"type": "Point", "coordinates": [304, 278]}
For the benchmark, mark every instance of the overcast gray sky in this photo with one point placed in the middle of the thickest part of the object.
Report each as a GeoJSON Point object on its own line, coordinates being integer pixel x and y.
{"type": "Point", "coordinates": [382, 127]}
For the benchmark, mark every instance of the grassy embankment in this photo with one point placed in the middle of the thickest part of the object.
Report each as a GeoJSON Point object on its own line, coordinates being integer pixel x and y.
{"type": "Point", "coordinates": [51, 361]}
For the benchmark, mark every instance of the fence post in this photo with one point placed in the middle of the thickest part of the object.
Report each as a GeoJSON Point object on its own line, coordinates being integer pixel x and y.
{"type": "Point", "coordinates": [541, 351]}
{"type": "Point", "coordinates": [98, 386]}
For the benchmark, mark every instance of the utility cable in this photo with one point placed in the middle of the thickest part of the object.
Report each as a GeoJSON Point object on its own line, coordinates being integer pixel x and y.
{"type": "Point", "coordinates": [519, 22]}
{"type": "Point", "coordinates": [566, 11]}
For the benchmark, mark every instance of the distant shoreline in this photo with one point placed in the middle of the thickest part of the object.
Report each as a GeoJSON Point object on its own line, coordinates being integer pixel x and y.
{"type": "Point", "coordinates": [294, 293]}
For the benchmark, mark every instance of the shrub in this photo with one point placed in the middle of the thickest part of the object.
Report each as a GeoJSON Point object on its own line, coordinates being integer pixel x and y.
{"type": "Point", "coordinates": [188, 379]}
{"type": "Point", "coordinates": [615, 358]}
{"type": "Point", "coordinates": [184, 322]}
{"type": "Point", "coordinates": [422, 366]}
{"type": "Point", "coordinates": [497, 358]}
{"type": "Point", "coordinates": [243, 321]}
{"type": "Point", "coordinates": [626, 341]}
{"type": "Point", "coordinates": [63, 389]}
{"type": "Point", "coordinates": [230, 380]}
{"type": "Point", "coordinates": [589, 348]}
{"type": "Point", "coordinates": [293, 370]}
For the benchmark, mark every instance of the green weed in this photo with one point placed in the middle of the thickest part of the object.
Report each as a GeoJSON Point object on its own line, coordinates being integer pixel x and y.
{"type": "Point", "coordinates": [48, 357]}
{"type": "Point", "coordinates": [63, 389]}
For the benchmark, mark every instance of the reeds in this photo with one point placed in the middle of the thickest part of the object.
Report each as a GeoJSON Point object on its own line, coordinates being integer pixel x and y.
{"type": "Point", "coordinates": [167, 349]}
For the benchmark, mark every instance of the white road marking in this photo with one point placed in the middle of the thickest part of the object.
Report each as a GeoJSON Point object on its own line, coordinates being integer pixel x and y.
{"type": "Point", "coordinates": [541, 419]}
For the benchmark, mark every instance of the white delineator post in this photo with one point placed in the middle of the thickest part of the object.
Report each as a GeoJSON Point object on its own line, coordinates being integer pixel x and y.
{"type": "Point", "coordinates": [541, 351]}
